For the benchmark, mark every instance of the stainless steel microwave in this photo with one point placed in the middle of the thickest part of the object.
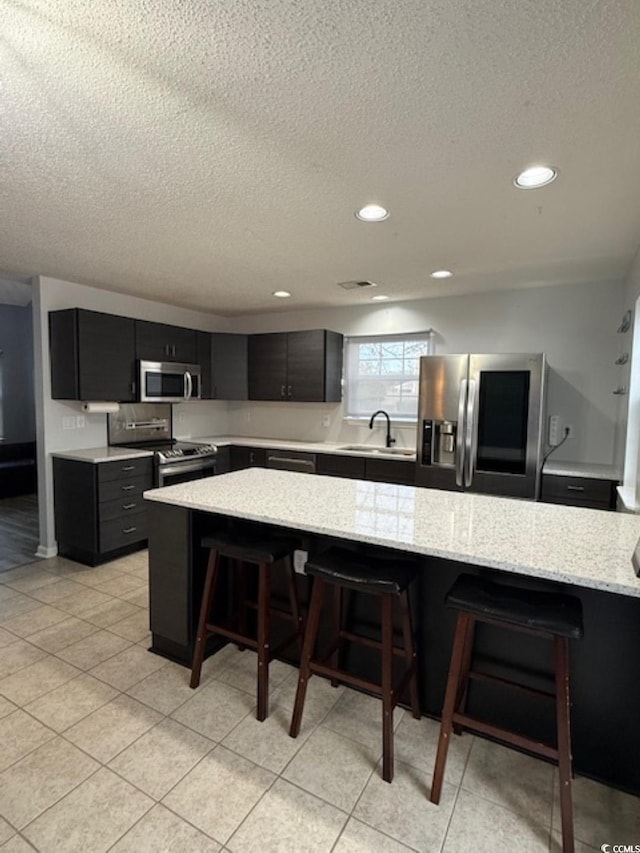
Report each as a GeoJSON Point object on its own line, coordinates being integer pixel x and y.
{"type": "Point", "coordinates": [168, 382]}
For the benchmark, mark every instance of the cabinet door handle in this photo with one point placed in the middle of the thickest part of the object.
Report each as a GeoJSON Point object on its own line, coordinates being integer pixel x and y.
{"type": "Point", "coordinates": [289, 391]}
{"type": "Point", "coordinates": [129, 529]}
{"type": "Point", "coordinates": [129, 506]}
{"type": "Point", "coordinates": [575, 488]}
{"type": "Point", "coordinates": [128, 468]}
{"type": "Point", "coordinates": [128, 488]}
{"type": "Point", "coordinates": [173, 350]}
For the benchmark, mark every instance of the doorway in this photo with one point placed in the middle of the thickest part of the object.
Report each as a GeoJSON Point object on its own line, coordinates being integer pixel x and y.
{"type": "Point", "coordinates": [19, 524]}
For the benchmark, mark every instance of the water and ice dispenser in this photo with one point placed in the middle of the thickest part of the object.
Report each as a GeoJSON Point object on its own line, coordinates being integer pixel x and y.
{"type": "Point", "coordinates": [439, 442]}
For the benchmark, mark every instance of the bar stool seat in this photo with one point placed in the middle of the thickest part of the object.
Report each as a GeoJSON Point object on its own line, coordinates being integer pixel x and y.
{"type": "Point", "coordinates": [387, 578]}
{"type": "Point", "coordinates": [548, 615]}
{"type": "Point", "coordinates": [261, 550]}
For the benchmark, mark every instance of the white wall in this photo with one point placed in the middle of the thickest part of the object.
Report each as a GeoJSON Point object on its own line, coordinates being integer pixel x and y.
{"type": "Point", "coordinates": [16, 344]}
{"type": "Point", "coordinates": [631, 379]}
{"type": "Point", "coordinates": [52, 294]}
{"type": "Point", "coordinates": [574, 324]}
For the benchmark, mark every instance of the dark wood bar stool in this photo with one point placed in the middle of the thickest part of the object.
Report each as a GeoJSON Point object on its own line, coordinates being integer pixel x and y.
{"type": "Point", "coordinates": [548, 615]}
{"type": "Point", "coordinates": [245, 551]}
{"type": "Point", "coordinates": [388, 579]}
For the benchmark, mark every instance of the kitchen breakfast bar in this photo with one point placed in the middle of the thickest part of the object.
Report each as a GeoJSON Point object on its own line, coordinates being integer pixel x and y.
{"type": "Point", "coordinates": [533, 545]}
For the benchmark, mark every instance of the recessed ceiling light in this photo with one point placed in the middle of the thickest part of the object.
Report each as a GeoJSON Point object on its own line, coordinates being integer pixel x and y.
{"type": "Point", "coordinates": [536, 176]}
{"type": "Point", "coordinates": [281, 294]}
{"type": "Point", "coordinates": [372, 213]}
{"type": "Point", "coordinates": [441, 274]}
{"type": "Point", "coordinates": [380, 298]}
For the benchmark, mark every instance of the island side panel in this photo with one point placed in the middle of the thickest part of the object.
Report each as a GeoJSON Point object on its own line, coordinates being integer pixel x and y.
{"type": "Point", "coordinates": [170, 580]}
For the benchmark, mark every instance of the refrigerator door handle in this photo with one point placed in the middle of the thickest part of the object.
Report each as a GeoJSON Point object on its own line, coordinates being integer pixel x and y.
{"type": "Point", "coordinates": [470, 440]}
{"type": "Point", "coordinates": [462, 399]}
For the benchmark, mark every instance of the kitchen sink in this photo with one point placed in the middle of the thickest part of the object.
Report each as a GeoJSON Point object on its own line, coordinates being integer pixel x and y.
{"type": "Point", "coordinates": [384, 451]}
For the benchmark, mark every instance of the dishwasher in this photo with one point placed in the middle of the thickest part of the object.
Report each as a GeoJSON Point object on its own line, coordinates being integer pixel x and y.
{"type": "Point", "coordinates": [292, 460]}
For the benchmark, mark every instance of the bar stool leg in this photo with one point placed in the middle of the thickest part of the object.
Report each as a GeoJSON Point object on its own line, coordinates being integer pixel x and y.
{"type": "Point", "coordinates": [451, 695]}
{"type": "Point", "coordinates": [561, 653]}
{"type": "Point", "coordinates": [313, 621]}
{"type": "Point", "coordinates": [207, 598]}
{"type": "Point", "coordinates": [463, 680]}
{"type": "Point", "coordinates": [386, 601]}
{"type": "Point", "coordinates": [264, 617]}
{"type": "Point", "coordinates": [294, 600]}
{"type": "Point", "coordinates": [410, 653]}
{"type": "Point", "coordinates": [240, 584]}
{"type": "Point", "coordinates": [338, 616]}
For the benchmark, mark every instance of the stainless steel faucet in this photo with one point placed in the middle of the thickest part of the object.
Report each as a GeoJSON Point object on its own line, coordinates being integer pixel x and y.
{"type": "Point", "coordinates": [390, 440]}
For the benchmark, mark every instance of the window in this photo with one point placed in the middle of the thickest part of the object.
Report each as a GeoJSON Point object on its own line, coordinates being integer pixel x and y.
{"type": "Point", "coordinates": [383, 372]}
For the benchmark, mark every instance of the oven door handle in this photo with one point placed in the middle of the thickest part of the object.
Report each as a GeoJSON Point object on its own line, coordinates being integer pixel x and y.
{"type": "Point", "coordinates": [185, 467]}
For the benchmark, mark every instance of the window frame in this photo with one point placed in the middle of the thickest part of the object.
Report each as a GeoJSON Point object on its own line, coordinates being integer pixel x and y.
{"type": "Point", "coordinates": [351, 344]}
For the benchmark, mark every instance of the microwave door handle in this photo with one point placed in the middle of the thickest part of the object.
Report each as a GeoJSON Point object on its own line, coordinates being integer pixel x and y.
{"type": "Point", "coordinates": [462, 398]}
{"type": "Point", "coordinates": [188, 385]}
{"type": "Point", "coordinates": [471, 441]}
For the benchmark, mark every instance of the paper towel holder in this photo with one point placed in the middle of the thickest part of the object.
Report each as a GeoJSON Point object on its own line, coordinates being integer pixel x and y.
{"type": "Point", "coordinates": [99, 408]}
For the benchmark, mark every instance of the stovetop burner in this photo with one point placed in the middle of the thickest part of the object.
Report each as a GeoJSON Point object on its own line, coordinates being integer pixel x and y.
{"type": "Point", "coordinates": [185, 449]}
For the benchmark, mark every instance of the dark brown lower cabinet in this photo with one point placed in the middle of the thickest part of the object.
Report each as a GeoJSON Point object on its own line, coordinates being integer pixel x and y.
{"type": "Point", "coordinates": [99, 510]}
{"type": "Point", "coordinates": [579, 491]}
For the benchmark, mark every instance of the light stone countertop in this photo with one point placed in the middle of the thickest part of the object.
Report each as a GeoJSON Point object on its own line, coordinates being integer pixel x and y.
{"type": "Point", "coordinates": [593, 470]}
{"type": "Point", "coordinates": [584, 547]}
{"type": "Point", "coordinates": [102, 454]}
{"type": "Point", "coordinates": [309, 446]}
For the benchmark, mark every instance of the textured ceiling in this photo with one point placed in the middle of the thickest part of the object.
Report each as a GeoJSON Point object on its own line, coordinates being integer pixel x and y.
{"type": "Point", "coordinates": [206, 153]}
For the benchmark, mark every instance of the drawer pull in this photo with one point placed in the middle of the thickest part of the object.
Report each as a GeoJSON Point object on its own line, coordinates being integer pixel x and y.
{"type": "Point", "coordinates": [129, 529]}
{"type": "Point", "coordinates": [128, 468]}
{"type": "Point", "coordinates": [575, 488]}
{"type": "Point", "coordinates": [128, 488]}
{"type": "Point", "coordinates": [129, 506]}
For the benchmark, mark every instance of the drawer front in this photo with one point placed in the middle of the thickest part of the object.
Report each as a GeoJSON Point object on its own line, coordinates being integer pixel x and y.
{"type": "Point", "coordinates": [122, 531]}
{"type": "Point", "coordinates": [121, 508]}
{"type": "Point", "coordinates": [125, 469]}
{"type": "Point", "coordinates": [577, 491]}
{"type": "Point", "coordinates": [133, 487]}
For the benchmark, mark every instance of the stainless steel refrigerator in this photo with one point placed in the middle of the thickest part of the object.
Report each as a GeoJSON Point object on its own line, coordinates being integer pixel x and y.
{"type": "Point", "coordinates": [480, 423]}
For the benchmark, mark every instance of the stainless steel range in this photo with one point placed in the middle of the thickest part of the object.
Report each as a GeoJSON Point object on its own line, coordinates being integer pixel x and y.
{"type": "Point", "coordinates": [147, 426]}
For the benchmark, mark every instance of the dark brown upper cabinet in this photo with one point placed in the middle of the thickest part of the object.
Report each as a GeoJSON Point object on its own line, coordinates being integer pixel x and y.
{"type": "Point", "coordinates": [159, 342]}
{"type": "Point", "coordinates": [92, 356]}
{"type": "Point", "coordinates": [203, 358]}
{"type": "Point", "coordinates": [297, 366]}
{"type": "Point", "coordinates": [228, 366]}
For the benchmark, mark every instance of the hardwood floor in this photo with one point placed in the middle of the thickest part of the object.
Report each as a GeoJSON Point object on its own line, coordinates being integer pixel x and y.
{"type": "Point", "coordinates": [19, 535]}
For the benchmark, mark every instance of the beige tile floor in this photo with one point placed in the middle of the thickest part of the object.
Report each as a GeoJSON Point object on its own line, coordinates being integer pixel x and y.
{"type": "Point", "coordinates": [103, 746]}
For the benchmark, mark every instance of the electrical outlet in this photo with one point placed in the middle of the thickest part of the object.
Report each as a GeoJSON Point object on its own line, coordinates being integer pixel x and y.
{"type": "Point", "coordinates": [326, 421]}
{"type": "Point", "coordinates": [554, 430]}
{"type": "Point", "coordinates": [247, 417]}
{"type": "Point", "coordinates": [68, 423]}
{"type": "Point", "coordinates": [79, 421]}
{"type": "Point", "coordinates": [181, 417]}
{"type": "Point", "coordinates": [299, 559]}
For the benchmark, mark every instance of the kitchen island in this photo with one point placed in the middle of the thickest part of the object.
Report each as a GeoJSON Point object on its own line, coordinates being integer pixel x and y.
{"type": "Point", "coordinates": [584, 551]}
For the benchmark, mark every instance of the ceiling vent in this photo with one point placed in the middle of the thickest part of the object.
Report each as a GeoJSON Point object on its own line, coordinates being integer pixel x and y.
{"type": "Point", "coordinates": [356, 285]}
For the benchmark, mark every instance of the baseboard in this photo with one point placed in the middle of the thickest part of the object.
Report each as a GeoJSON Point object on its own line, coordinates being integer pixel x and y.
{"type": "Point", "coordinates": [46, 551]}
